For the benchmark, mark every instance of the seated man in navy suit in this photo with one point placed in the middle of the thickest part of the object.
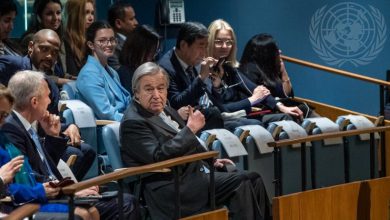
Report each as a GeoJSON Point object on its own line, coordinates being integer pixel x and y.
{"type": "Point", "coordinates": [31, 94]}
{"type": "Point", "coordinates": [42, 56]}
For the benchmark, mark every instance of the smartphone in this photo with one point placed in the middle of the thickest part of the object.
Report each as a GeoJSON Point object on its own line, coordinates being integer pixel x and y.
{"type": "Point", "coordinates": [62, 183]}
{"type": "Point", "coordinates": [215, 67]}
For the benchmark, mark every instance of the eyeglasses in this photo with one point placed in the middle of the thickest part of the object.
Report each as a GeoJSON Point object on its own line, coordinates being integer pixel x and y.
{"type": "Point", "coordinates": [220, 43]}
{"type": "Point", "coordinates": [105, 42]}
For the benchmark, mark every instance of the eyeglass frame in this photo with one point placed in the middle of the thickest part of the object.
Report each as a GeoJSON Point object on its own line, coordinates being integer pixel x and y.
{"type": "Point", "coordinates": [221, 42]}
{"type": "Point", "coordinates": [104, 42]}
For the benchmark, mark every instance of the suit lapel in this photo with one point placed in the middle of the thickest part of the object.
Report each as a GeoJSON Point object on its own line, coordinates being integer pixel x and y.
{"type": "Point", "coordinates": [154, 119]}
{"type": "Point", "coordinates": [179, 70]}
{"type": "Point", "coordinates": [34, 157]}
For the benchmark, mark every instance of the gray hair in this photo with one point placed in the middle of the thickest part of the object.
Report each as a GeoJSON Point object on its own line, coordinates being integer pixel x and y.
{"type": "Point", "coordinates": [24, 85]}
{"type": "Point", "coordinates": [148, 68]}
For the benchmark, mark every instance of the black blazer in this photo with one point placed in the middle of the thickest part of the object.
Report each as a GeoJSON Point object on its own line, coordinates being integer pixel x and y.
{"type": "Point", "coordinates": [181, 91]}
{"type": "Point", "coordinates": [53, 147]}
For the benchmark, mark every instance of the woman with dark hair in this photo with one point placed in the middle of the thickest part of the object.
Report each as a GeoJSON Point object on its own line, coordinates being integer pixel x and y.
{"type": "Point", "coordinates": [141, 46]}
{"type": "Point", "coordinates": [98, 84]}
{"type": "Point", "coordinates": [261, 62]}
{"type": "Point", "coordinates": [46, 14]}
{"type": "Point", "coordinates": [8, 12]}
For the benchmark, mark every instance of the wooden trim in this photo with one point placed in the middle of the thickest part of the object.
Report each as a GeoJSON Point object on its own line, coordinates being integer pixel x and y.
{"type": "Point", "coordinates": [336, 71]}
{"type": "Point", "coordinates": [219, 214]}
{"type": "Point", "coordinates": [131, 171]}
{"type": "Point", "coordinates": [104, 122]}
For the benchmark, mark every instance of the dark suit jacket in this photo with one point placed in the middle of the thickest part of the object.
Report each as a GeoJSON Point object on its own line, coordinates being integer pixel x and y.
{"type": "Point", "coordinates": [146, 139]}
{"type": "Point", "coordinates": [125, 76]}
{"type": "Point", "coordinates": [113, 61]}
{"type": "Point", "coordinates": [239, 88]}
{"type": "Point", "coordinates": [53, 147]}
{"type": "Point", "coordinates": [9, 65]}
{"type": "Point", "coordinates": [253, 73]}
{"type": "Point", "coordinates": [181, 91]}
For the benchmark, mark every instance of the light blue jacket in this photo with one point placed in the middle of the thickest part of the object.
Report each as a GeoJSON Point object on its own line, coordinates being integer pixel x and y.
{"type": "Point", "coordinates": [102, 91]}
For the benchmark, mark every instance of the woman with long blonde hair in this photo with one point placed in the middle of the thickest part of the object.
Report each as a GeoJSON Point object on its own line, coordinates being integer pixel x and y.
{"type": "Point", "coordinates": [75, 30]}
{"type": "Point", "coordinates": [236, 90]}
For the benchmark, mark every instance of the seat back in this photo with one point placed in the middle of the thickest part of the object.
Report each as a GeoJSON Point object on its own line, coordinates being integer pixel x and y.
{"type": "Point", "coordinates": [327, 156]}
{"type": "Point", "coordinates": [225, 136]}
{"type": "Point", "coordinates": [259, 160]}
{"type": "Point", "coordinates": [291, 160]}
{"type": "Point", "coordinates": [110, 136]}
{"type": "Point", "coordinates": [87, 130]}
{"type": "Point", "coordinates": [358, 149]}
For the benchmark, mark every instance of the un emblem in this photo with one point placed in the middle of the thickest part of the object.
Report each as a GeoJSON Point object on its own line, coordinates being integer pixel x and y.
{"type": "Point", "coordinates": [348, 33]}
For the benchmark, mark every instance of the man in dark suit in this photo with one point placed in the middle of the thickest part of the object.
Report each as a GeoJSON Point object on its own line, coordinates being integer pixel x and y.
{"type": "Point", "coordinates": [31, 93]}
{"type": "Point", "coordinates": [121, 17]}
{"type": "Point", "coordinates": [43, 52]}
{"type": "Point", "coordinates": [151, 131]}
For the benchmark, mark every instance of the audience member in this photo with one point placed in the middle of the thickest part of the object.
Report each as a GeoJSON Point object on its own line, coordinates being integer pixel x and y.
{"type": "Point", "coordinates": [140, 47]}
{"type": "Point", "coordinates": [151, 132]}
{"type": "Point", "coordinates": [8, 12]}
{"type": "Point", "coordinates": [262, 64]}
{"type": "Point", "coordinates": [121, 17]}
{"type": "Point", "coordinates": [43, 53]}
{"type": "Point", "coordinates": [31, 93]}
{"type": "Point", "coordinates": [98, 84]}
{"type": "Point", "coordinates": [189, 71]}
{"type": "Point", "coordinates": [79, 16]}
{"type": "Point", "coordinates": [30, 191]}
{"type": "Point", "coordinates": [47, 15]}
{"type": "Point", "coordinates": [236, 90]}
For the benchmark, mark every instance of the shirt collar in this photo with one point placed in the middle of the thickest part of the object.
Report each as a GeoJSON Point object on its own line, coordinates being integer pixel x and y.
{"type": "Point", "coordinates": [24, 121]}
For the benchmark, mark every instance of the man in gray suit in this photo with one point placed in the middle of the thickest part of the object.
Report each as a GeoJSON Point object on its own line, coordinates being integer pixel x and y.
{"type": "Point", "coordinates": [121, 17]}
{"type": "Point", "coordinates": [151, 131]}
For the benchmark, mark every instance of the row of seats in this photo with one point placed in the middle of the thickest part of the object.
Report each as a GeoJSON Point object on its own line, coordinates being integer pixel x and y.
{"type": "Point", "coordinates": [327, 160]}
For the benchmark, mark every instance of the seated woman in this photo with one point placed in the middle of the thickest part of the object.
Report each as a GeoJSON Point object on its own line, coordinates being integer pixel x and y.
{"type": "Point", "coordinates": [98, 84]}
{"type": "Point", "coordinates": [8, 12]}
{"type": "Point", "coordinates": [79, 16]}
{"type": "Point", "coordinates": [24, 188]}
{"type": "Point", "coordinates": [141, 46]}
{"type": "Point", "coordinates": [262, 64]}
{"type": "Point", "coordinates": [236, 90]}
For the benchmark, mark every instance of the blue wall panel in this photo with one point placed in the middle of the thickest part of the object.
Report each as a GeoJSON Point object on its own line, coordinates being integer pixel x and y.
{"type": "Point", "coordinates": [289, 22]}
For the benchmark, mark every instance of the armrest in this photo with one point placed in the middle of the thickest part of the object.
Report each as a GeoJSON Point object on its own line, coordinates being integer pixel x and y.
{"type": "Point", "coordinates": [104, 122]}
{"type": "Point", "coordinates": [6, 199]}
{"type": "Point", "coordinates": [23, 211]}
{"type": "Point", "coordinates": [131, 171]}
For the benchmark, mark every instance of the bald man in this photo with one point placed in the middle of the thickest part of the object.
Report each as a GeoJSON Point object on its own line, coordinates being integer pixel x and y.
{"type": "Point", "coordinates": [42, 56]}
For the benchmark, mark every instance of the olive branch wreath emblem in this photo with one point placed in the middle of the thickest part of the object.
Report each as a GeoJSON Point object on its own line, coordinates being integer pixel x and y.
{"type": "Point", "coordinates": [366, 58]}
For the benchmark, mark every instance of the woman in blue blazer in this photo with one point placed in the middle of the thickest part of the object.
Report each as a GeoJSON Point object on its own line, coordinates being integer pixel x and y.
{"type": "Point", "coordinates": [98, 84]}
